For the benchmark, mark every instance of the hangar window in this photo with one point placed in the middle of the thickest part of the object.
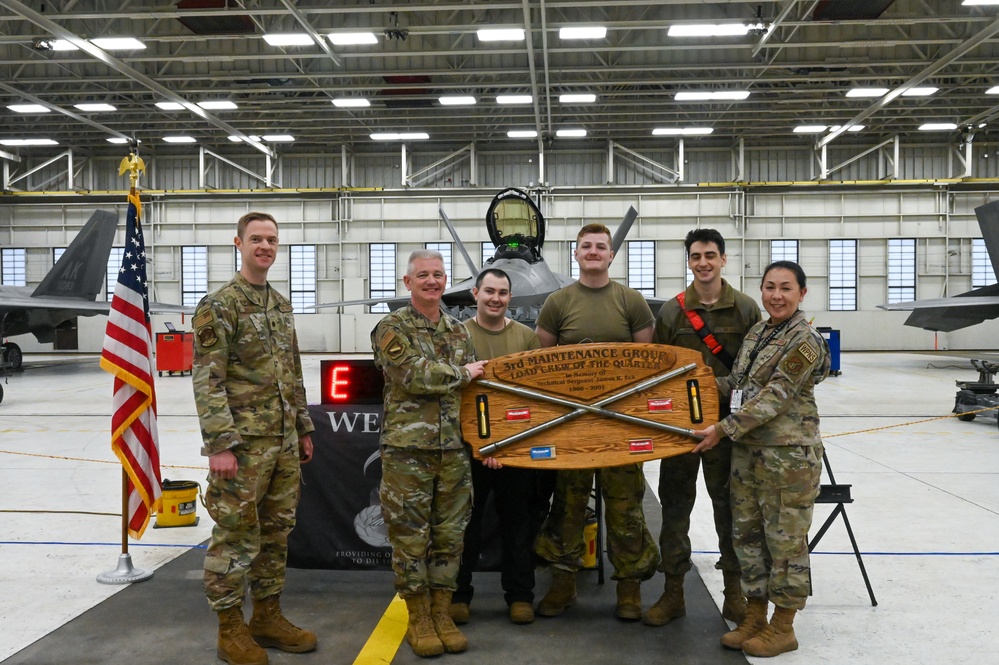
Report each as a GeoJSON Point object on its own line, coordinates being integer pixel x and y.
{"type": "Point", "coordinates": [445, 249]}
{"type": "Point", "coordinates": [573, 266]}
{"type": "Point", "coordinates": [784, 250]}
{"type": "Point", "coordinates": [57, 253]}
{"type": "Point", "coordinates": [303, 278]}
{"type": "Point", "coordinates": [193, 274]}
{"type": "Point", "coordinates": [488, 251]}
{"type": "Point", "coordinates": [982, 273]}
{"type": "Point", "coordinates": [642, 267]}
{"type": "Point", "coordinates": [114, 267]}
{"type": "Point", "coordinates": [13, 260]}
{"type": "Point", "coordinates": [381, 273]}
{"type": "Point", "coordinates": [843, 275]}
{"type": "Point", "coordinates": [901, 269]}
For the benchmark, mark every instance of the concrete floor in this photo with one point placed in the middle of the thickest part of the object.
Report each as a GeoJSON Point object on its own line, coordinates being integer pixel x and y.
{"type": "Point", "coordinates": [926, 517]}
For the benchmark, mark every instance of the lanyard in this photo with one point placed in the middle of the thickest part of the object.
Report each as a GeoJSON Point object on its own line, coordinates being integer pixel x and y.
{"type": "Point", "coordinates": [763, 341]}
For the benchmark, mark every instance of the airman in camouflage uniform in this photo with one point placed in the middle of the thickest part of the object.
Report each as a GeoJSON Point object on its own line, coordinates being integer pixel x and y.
{"type": "Point", "coordinates": [255, 426]}
{"type": "Point", "coordinates": [426, 357]}
{"type": "Point", "coordinates": [776, 460]}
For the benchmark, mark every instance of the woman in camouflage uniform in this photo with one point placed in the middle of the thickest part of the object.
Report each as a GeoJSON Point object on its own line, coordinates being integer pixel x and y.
{"type": "Point", "coordinates": [776, 460]}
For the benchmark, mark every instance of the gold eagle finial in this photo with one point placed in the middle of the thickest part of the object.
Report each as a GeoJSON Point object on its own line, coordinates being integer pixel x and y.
{"type": "Point", "coordinates": [133, 164]}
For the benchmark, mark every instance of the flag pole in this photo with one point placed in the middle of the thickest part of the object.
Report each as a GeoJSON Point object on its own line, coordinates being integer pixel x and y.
{"type": "Point", "coordinates": [125, 572]}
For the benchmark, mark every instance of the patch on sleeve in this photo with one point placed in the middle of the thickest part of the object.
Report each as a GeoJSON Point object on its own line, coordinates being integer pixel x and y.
{"type": "Point", "coordinates": [793, 365]}
{"type": "Point", "coordinates": [392, 346]}
{"type": "Point", "coordinates": [207, 337]}
{"type": "Point", "coordinates": [810, 354]}
{"type": "Point", "coordinates": [204, 318]}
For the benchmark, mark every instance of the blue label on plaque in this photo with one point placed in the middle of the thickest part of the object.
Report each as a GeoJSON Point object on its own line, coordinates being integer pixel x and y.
{"type": "Point", "coordinates": [543, 452]}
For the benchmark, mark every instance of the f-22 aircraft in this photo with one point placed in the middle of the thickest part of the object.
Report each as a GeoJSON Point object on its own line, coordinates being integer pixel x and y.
{"type": "Point", "coordinates": [516, 228]}
{"type": "Point", "coordinates": [964, 309]}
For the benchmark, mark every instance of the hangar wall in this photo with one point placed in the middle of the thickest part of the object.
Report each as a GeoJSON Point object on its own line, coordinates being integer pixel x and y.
{"type": "Point", "coordinates": [188, 206]}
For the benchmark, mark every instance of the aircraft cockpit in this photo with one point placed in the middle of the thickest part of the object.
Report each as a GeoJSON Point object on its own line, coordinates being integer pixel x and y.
{"type": "Point", "coordinates": [516, 226]}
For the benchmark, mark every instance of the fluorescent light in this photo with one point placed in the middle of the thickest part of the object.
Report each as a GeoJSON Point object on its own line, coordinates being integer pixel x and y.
{"type": "Point", "coordinates": [514, 99]}
{"type": "Point", "coordinates": [682, 131]}
{"type": "Point", "coordinates": [720, 95]}
{"type": "Point", "coordinates": [980, 3]}
{"type": "Point", "coordinates": [937, 126]}
{"type": "Point", "coordinates": [810, 129]}
{"type": "Point", "coordinates": [571, 133]}
{"type": "Point", "coordinates": [118, 43]}
{"type": "Point", "coordinates": [456, 100]}
{"type": "Point", "coordinates": [170, 106]}
{"type": "Point", "coordinates": [400, 136]}
{"type": "Point", "coordinates": [994, 90]}
{"type": "Point", "coordinates": [278, 138]}
{"type": "Point", "coordinates": [708, 30]}
{"type": "Point", "coordinates": [116, 139]}
{"type": "Point", "coordinates": [63, 45]}
{"type": "Point", "coordinates": [179, 139]}
{"type": "Point", "coordinates": [290, 39]}
{"type": "Point", "coordinates": [352, 38]}
{"type": "Point", "coordinates": [578, 98]}
{"type": "Point", "coordinates": [96, 108]}
{"type": "Point", "coordinates": [28, 108]}
{"type": "Point", "coordinates": [501, 34]}
{"type": "Point", "coordinates": [237, 139]}
{"type": "Point", "coordinates": [583, 32]}
{"type": "Point", "coordinates": [867, 92]}
{"type": "Point", "coordinates": [18, 142]}
{"type": "Point", "coordinates": [925, 91]}
{"type": "Point", "coordinates": [218, 105]}
{"type": "Point", "coordinates": [853, 128]}
{"type": "Point", "coordinates": [522, 134]}
{"type": "Point", "coordinates": [351, 102]}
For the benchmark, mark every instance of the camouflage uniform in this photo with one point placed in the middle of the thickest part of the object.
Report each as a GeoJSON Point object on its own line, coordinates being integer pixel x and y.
{"type": "Point", "coordinates": [729, 319]}
{"type": "Point", "coordinates": [426, 476]}
{"type": "Point", "coordinates": [777, 458]}
{"type": "Point", "coordinates": [248, 390]}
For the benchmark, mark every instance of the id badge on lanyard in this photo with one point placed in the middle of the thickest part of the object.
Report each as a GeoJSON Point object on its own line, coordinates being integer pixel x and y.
{"type": "Point", "coordinates": [735, 403]}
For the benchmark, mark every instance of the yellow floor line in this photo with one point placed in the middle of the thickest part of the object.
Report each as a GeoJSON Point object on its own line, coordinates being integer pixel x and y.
{"type": "Point", "coordinates": [384, 641]}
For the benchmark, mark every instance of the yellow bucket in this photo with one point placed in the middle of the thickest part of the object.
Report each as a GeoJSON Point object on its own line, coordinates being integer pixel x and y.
{"type": "Point", "coordinates": [590, 540]}
{"type": "Point", "coordinates": [179, 505]}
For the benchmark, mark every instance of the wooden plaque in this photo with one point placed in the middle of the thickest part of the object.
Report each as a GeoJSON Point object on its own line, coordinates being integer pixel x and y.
{"type": "Point", "coordinates": [589, 374]}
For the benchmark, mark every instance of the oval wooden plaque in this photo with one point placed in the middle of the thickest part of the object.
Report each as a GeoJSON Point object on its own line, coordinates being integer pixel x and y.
{"type": "Point", "coordinates": [588, 374]}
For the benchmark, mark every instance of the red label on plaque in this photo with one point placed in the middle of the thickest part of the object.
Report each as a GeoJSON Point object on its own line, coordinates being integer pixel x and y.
{"type": "Point", "coordinates": [657, 405]}
{"type": "Point", "coordinates": [640, 445]}
{"type": "Point", "coordinates": [518, 414]}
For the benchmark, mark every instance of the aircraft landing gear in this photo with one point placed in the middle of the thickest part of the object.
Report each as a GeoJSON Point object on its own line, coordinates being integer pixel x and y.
{"type": "Point", "coordinates": [12, 356]}
{"type": "Point", "coordinates": [981, 394]}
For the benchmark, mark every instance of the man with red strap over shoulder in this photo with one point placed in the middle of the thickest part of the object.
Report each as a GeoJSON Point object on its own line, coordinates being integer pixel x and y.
{"type": "Point", "coordinates": [713, 318]}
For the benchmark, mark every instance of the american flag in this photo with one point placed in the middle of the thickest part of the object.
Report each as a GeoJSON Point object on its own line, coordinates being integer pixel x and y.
{"type": "Point", "coordinates": [128, 355]}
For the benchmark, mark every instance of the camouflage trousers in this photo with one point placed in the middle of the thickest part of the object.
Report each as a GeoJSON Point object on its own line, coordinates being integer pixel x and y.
{"type": "Point", "coordinates": [773, 493]}
{"type": "Point", "coordinates": [630, 546]}
{"type": "Point", "coordinates": [426, 500]}
{"type": "Point", "coordinates": [254, 513]}
{"type": "Point", "coordinates": [677, 493]}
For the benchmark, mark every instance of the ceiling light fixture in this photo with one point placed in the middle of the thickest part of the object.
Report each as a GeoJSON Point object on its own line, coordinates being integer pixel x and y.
{"type": "Point", "coordinates": [720, 95]}
{"type": "Point", "coordinates": [577, 98]}
{"type": "Point", "coordinates": [571, 133]}
{"type": "Point", "coordinates": [582, 32]}
{"type": "Point", "coordinates": [29, 108]}
{"type": "Point", "coordinates": [218, 105]}
{"type": "Point", "coordinates": [937, 127]}
{"type": "Point", "coordinates": [514, 99]}
{"type": "Point", "coordinates": [116, 139]}
{"type": "Point", "coordinates": [96, 108]}
{"type": "Point", "coordinates": [980, 3]}
{"type": "Point", "coordinates": [118, 43]}
{"type": "Point", "coordinates": [279, 138]}
{"type": "Point", "coordinates": [501, 34]}
{"type": "Point", "coordinates": [867, 92]}
{"type": "Point", "coordinates": [708, 30]}
{"type": "Point", "coordinates": [852, 128]}
{"type": "Point", "coordinates": [682, 131]}
{"type": "Point", "coordinates": [456, 100]}
{"type": "Point", "coordinates": [810, 129]}
{"type": "Point", "coordinates": [352, 38]}
{"type": "Point", "coordinates": [290, 39]}
{"type": "Point", "coordinates": [22, 142]}
{"type": "Point", "coordinates": [522, 134]}
{"type": "Point", "coordinates": [400, 136]}
{"type": "Point", "coordinates": [924, 91]}
{"type": "Point", "coordinates": [63, 45]}
{"type": "Point", "coordinates": [170, 106]}
{"type": "Point", "coordinates": [351, 103]}
{"type": "Point", "coordinates": [179, 139]}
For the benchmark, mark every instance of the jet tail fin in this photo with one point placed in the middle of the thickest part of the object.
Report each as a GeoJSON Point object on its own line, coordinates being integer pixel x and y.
{"type": "Point", "coordinates": [81, 270]}
{"type": "Point", "coordinates": [623, 229]}
{"type": "Point", "coordinates": [472, 268]}
{"type": "Point", "coordinates": [988, 221]}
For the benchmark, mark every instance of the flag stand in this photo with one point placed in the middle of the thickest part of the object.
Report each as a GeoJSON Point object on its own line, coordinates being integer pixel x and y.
{"type": "Point", "coordinates": [125, 573]}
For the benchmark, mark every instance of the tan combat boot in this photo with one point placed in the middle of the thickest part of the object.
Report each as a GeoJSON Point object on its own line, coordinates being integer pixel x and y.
{"type": "Point", "coordinates": [669, 606]}
{"type": "Point", "coordinates": [521, 612]}
{"type": "Point", "coordinates": [461, 613]}
{"type": "Point", "coordinates": [734, 607]}
{"type": "Point", "coordinates": [777, 638]}
{"type": "Point", "coordinates": [420, 632]}
{"type": "Point", "coordinates": [235, 644]}
{"type": "Point", "coordinates": [561, 596]}
{"type": "Point", "coordinates": [271, 629]}
{"type": "Point", "coordinates": [450, 636]}
{"type": "Point", "coordinates": [629, 600]}
{"type": "Point", "coordinates": [755, 621]}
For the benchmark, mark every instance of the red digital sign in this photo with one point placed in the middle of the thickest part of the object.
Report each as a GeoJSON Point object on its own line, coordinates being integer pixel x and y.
{"type": "Point", "coordinates": [350, 382]}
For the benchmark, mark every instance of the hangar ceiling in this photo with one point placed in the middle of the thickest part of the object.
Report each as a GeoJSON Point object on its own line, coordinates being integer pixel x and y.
{"type": "Point", "coordinates": [797, 62]}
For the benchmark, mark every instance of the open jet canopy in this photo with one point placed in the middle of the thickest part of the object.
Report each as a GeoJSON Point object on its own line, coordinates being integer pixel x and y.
{"type": "Point", "coordinates": [515, 226]}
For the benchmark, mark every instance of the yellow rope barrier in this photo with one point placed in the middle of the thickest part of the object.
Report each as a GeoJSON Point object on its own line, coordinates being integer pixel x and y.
{"type": "Point", "coordinates": [914, 422]}
{"type": "Point", "coordinates": [96, 461]}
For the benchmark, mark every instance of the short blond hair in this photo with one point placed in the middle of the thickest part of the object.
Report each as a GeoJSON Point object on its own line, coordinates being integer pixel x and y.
{"type": "Point", "coordinates": [252, 217]}
{"type": "Point", "coordinates": [594, 228]}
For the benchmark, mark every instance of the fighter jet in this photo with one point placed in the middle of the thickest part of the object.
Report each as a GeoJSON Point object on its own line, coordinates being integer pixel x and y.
{"type": "Point", "coordinates": [516, 228]}
{"type": "Point", "coordinates": [964, 309]}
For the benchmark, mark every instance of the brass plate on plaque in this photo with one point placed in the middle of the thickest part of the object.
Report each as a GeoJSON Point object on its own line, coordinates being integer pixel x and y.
{"type": "Point", "coordinates": [589, 374]}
